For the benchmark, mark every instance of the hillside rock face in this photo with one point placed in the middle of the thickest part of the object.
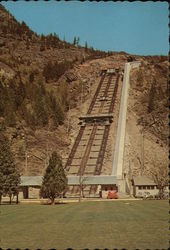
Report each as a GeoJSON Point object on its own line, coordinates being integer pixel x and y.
{"type": "Point", "coordinates": [35, 93]}
{"type": "Point", "coordinates": [44, 75]}
{"type": "Point", "coordinates": [147, 117]}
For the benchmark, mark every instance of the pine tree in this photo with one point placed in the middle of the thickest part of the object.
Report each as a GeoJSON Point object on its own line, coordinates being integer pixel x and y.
{"type": "Point", "coordinates": [78, 41]}
{"type": "Point", "coordinates": [3, 94]}
{"type": "Point", "coordinates": [10, 105]}
{"type": "Point", "coordinates": [58, 114]}
{"type": "Point", "coordinates": [86, 46]}
{"type": "Point", "coordinates": [27, 44]}
{"type": "Point", "coordinates": [42, 47]}
{"type": "Point", "coordinates": [9, 176]}
{"type": "Point", "coordinates": [31, 77]}
{"type": "Point", "coordinates": [74, 41]}
{"type": "Point", "coordinates": [40, 110]}
{"type": "Point", "coordinates": [9, 113]}
{"type": "Point", "coordinates": [19, 94]}
{"type": "Point", "coordinates": [54, 180]}
{"type": "Point", "coordinates": [47, 71]}
{"type": "Point", "coordinates": [151, 99]}
{"type": "Point", "coordinates": [2, 180]}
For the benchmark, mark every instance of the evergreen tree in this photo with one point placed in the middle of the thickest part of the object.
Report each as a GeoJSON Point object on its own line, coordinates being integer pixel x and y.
{"type": "Point", "coordinates": [40, 111]}
{"type": "Point", "coordinates": [24, 26]}
{"type": "Point", "coordinates": [3, 94]}
{"type": "Point", "coordinates": [42, 37]}
{"type": "Point", "coordinates": [10, 104]}
{"type": "Point", "coordinates": [42, 47]}
{"type": "Point", "coordinates": [47, 72]}
{"type": "Point", "coordinates": [151, 99]}
{"type": "Point", "coordinates": [27, 44]}
{"type": "Point", "coordinates": [58, 114]}
{"type": "Point", "coordinates": [78, 40]}
{"type": "Point", "coordinates": [31, 77]}
{"type": "Point", "coordinates": [54, 180]}
{"type": "Point", "coordinates": [19, 94]}
{"type": "Point", "coordinates": [2, 180]}
{"type": "Point", "coordinates": [86, 46]}
{"type": "Point", "coordinates": [74, 41]}
{"type": "Point", "coordinates": [9, 176]}
{"type": "Point", "coordinates": [9, 113]}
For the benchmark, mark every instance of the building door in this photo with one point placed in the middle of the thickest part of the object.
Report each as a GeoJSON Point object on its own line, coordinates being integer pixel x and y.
{"type": "Point", "coordinates": [25, 193]}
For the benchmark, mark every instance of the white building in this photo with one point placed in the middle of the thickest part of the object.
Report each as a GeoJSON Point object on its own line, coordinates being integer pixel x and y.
{"type": "Point", "coordinates": [143, 186]}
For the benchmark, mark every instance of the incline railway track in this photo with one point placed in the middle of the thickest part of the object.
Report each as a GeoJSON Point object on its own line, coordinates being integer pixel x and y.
{"type": "Point", "coordinates": [87, 154]}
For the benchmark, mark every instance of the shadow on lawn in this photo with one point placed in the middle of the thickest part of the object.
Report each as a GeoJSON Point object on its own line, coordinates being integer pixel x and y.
{"type": "Point", "coordinates": [7, 203]}
{"type": "Point", "coordinates": [56, 203]}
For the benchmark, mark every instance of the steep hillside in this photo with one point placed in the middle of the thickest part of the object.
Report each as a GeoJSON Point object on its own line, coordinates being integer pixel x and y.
{"type": "Point", "coordinates": [147, 120]}
{"type": "Point", "coordinates": [147, 116]}
{"type": "Point", "coordinates": [37, 87]}
{"type": "Point", "coordinates": [46, 83]}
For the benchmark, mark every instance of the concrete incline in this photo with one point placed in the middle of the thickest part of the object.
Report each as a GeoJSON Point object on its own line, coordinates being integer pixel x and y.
{"type": "Point", "coordinates": [120, 138]}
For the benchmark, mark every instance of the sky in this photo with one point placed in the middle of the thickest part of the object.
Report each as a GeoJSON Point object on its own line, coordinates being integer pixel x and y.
{"type": "Point", "coordinates": [134, 27]}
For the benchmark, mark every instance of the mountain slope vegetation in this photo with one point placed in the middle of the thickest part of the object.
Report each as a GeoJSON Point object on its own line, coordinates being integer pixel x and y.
{"type": "Point", "coordinates": [44, 83]}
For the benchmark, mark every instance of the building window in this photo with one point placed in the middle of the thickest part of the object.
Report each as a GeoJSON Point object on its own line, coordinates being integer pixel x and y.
{"type": "Point", "coordinates": [145, 187]}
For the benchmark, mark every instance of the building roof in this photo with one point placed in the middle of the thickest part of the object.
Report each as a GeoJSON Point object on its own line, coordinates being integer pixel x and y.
{"type": "Point", "coordinates": [31, 180]}
{"type": "Point", "coordinates": [92, 180]}
{"type": "Point", "coordinates": [72, 180]}
{"type": "Point", "coordinates": [141, 180]}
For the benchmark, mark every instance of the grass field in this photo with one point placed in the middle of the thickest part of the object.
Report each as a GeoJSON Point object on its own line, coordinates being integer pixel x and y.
{"type": "Point", "coordinates": [112, 224]}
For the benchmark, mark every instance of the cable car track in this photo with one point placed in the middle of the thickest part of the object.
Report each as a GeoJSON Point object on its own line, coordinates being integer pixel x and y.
{"type": "Point", "coordinates": [87, 154]}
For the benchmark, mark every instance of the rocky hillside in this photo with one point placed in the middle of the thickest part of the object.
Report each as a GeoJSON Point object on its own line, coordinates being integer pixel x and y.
{"type": "Point", "coordinates": [147, 120]}
{"type": "Point", "coordinates": [46, 83]}
{"type": "Point", "coordinates": [37, 87]}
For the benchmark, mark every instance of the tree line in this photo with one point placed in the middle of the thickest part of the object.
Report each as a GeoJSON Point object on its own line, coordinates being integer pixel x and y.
{"type": "Point", "coordinates": [11, 26]}
{"type": "Point", "coordinates": [54, 181]}
{"type": "Point", "coordinates": [53, 71]}
{"type": "Point", "coordinates": [31, 102]}
{"type": "Point", "coordinates": [9, 176]}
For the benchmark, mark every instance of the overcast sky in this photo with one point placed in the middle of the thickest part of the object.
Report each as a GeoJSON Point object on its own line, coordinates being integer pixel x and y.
{"type": "Point", "coordinates": [135, 27]}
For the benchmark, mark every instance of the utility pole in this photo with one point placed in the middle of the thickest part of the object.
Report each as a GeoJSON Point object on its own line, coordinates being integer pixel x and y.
{"type": "Point", "coordinates": [130, 179]}
{"type": "Point", "coordinates": [142, 147]}
{"type": "Point", "coordinates": [82, 93]}
{"type": "Point", "coordinates": [68, 128]}
{"type": "Point", "coordinates": [26, 155]}
{"type": "Point", "coordinates": [47, 146]}
{"type": "Point", "coordinates": [26, 162]}
{"type": "Point", "coordinates": [80, 180]}
{"type": "Point", "coordinates": [80, 183]}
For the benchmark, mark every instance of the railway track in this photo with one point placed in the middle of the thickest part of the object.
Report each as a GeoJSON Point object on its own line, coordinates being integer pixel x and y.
{"type": "Point", "coordinates": [87, 154]}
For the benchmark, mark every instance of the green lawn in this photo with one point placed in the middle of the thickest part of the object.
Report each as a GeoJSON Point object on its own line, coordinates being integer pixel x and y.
{"type": "Point", "coordinates": [112, 224]}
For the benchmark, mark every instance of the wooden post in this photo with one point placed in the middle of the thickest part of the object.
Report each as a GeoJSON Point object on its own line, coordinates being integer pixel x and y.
{"type": "Point", "coordinates": [17, 199]}
{"type": "Point", "coordinates": [26, 162]}
{"type": "Point", "coordinates": [142, 151]}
